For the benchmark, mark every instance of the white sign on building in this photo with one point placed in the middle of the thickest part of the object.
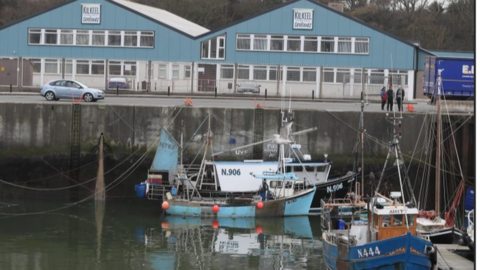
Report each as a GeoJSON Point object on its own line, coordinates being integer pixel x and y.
{"type": "Point", "coordinates": [302, 18]}
{"type": "Point", "coordinates": [91, 13]}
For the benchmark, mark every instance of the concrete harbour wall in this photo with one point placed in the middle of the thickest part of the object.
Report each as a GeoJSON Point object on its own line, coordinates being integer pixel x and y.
{"type": "Point", "coordinates": [36, 140]}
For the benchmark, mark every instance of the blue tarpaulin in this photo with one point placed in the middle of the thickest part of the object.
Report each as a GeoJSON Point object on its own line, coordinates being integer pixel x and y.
{"type": "Point", "coordinates": [166, 157]}
{"type": "Point", "coordinates": [469, 199]}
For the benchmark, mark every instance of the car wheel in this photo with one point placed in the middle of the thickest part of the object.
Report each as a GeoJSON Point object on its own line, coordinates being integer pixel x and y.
{"type": "Point", "coordinates": [50, 96]}
{"type": "Point", "coordinates": [88, 97]}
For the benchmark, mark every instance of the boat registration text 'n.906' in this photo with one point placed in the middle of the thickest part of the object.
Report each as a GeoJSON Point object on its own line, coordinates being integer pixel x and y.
{"type": "Point", "coordinates": [231, 172]}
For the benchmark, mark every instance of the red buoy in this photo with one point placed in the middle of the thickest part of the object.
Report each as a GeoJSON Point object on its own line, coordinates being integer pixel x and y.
{"type": "Point", "coordinates": [259, 229]}
{"type": "Point", "coordinates": [165, 225]}
{"type": "Point", "coordinates": [215, 224]}
{"type": "Point", "coordinates": [260, 205]}
{"type": "Point", "coordinates": [165, 205]}
{"type": "Point", "coordinates": [216, 208]}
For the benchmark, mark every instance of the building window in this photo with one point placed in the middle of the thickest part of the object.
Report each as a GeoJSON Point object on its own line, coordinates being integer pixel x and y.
{"type": "Point", "coordinates": [36, 65]}
{"type": "Point", "coordinates": [344, 45]}
{"type": "Point", "coordinates": [162, 71]}
{"type": "Point", "coordinates": [115, 68]}
{"type": "Point", "coordinates": [66, 37]}
{"type": "Point", "coordinates": [226, 71]}
{"type": "Point", "coordinates": [175, 72]}
{"type": "Point", "coordinates": [309, 75]}
{"type": "Point", "coordinates": [51, 66]}
{"type": "Point", "coordinates": [130, 39]}
{"type": "Point", "coordinates": [328, 75]}
{"type": "Point", "coordinates": [293, 74]}
{"type": "Point", "coordinates": [214, 48]}
{"type": "Point", "coordinates": [98, 38]}
{"type": "Point", "coordinates": [114, 38]}
{"type": "Point", "coordinates": [130, 68]}
{"type": "Point", "coordinates": [357, 76]}
{"type": "Point", "coordinates": [82, 37]}
{"type": "Point", "coordinates": [260, 42]}
{"type": "Point", "coordinates": [327, 44]}
{"type": "Point", "coordinates": [243, 42]}
{"type": "Point", "coordinates": [243, 72]}
{"type": "Point", "coordinates": [50, 36]}
{"type": "Point", "coordinates": [343, 75]}
{"type": "Point", "coordinates": [276, 43]}
{"type": "Point", "coordinates": [221, 47]}
{"type": "Point", "coordinates": [293, 43]}
{"type": "Point", "coordinates": [259, 72]}
{"type": "Point", "coordinates": [82, 67]}
{"type": "Point", "coordinates": [272, 73]}
{"type": "Point", "coordinates": [399, 77]}
{"type": "Point", "coordinates": [187, 71]}
{"type": "Point", "coordinates": [146, 39]}
{"type": "Point", "coordinates": [376, 76]}
{"type": "Point", "coordinates": [361, 45]}
{"type": "Point", "coordinates": [310, 44]}
{"type": "Point", "coordinates": [98, 67]}
{"type": "Point", "coordinates": [34, 36]}
{"type": "Point", "coordinates": [68, 66]}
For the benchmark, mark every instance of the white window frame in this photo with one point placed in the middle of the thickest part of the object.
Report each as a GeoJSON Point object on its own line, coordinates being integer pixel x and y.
{"type": "Point", "coordinates": [162, 71]}
{"type": "Point", "coordinates": [244, 37]}
{"type": "Point", "coordinates": [35, 31]}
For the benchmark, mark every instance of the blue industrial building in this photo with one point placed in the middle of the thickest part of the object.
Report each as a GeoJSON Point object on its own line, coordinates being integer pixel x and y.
{"type": "Point", "coordinates": [299, 48]}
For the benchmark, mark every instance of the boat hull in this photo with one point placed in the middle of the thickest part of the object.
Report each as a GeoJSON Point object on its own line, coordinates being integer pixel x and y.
{"type": "Point", "coordinates": [403, 252]}
{"type": "Point", "coordinates": [442, 236]}
{"type": "Point", "coordinates": [296, 205]}
{"type": "Point", "coordinates": [334, 188]}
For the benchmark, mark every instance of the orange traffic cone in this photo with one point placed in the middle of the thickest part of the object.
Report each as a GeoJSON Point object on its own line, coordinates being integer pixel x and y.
{"type": "Point", "coordinates": [410, 108]}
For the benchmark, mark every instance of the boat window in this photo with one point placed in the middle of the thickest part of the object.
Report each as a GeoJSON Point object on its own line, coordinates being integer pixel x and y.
{"type": "Point", "coordinates": [276, 184]}
{"type": "Point", "coordinates": [288, 184]}
{"type": "Point", "coordinates": [298, 168]}
{"type": "Point", "coordinates": [398, 220]}
{"type": "Point", "coordinates": [386, 221]}
{"type": "Point", "coordinates": [321, 168]}
{"type": "Point", "coordinates": [288, 169]}
{"type": "Point", "coordinates": [411, 220]}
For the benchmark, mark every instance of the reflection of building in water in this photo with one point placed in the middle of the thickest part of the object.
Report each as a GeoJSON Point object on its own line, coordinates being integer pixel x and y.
{"type": "Point", "coordinates": [272, 243]}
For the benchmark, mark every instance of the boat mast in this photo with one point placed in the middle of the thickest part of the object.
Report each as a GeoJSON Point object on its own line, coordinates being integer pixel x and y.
{"type": "Point", "coordinates": [438, 144]}
{"type": "Point", "coordinates": [361, 126]}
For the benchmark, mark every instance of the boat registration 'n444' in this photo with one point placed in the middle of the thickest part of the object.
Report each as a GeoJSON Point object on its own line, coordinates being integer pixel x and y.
{"type": "Point", "coordinates": [368, 252]}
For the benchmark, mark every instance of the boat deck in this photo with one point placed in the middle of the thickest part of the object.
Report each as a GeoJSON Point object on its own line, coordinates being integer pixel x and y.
{"type": "Point", "coordinates": [446, 259]}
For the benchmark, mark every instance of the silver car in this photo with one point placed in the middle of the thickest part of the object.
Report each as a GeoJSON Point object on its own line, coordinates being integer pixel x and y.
{"type": "Point", "coordinates": [66, 89]}
{"type": "Point", "coordinates": [248, 87]}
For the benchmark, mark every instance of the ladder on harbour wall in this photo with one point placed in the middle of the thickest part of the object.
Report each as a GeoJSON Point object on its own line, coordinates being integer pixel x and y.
{"type": "Point", "coordinates": [75, 151]}
{"type": "Point", "coordinates": [258, 134]}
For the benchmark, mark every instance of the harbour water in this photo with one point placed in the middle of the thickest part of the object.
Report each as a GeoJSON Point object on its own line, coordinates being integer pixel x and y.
{"type": "Point", "coordinates": [135, 235]}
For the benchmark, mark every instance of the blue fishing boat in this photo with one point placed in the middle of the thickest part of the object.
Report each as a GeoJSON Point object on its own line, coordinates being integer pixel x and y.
{"type": "Point", "coordinates": [279, 194]}
{"type": "Point", "coordinates": [384, 238]}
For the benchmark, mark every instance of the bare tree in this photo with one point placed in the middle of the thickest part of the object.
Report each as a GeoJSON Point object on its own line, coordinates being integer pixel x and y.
{"type": "Point", "coordinates": [410, 6]}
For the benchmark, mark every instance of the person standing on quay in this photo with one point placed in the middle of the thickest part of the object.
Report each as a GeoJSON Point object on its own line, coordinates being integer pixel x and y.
{"type": "Point", "coordinates": [400, 96]}
{"type": "Point", "coordinates": [383, 97]}
{"type": "Point", "coordinates": [390, 99]}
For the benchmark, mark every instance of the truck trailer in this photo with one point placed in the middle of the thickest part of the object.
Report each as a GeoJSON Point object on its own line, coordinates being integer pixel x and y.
{"type": "Point", "coordinates": [449, 77]}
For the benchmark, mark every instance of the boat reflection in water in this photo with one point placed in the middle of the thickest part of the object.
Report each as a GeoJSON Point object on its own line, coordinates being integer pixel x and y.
{"type": "Point", "coordinates": [246, 243]}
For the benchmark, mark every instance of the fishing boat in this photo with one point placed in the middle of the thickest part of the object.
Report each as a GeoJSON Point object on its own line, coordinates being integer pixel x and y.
{"type": "Point", "coordinates": [241, 178]}
{"type": "Point", "coordinates": [430, 223]}
{"type": "Point", "coordinates": [280, 193]}
{"type": "Point", "coordinates": [385, 238]}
